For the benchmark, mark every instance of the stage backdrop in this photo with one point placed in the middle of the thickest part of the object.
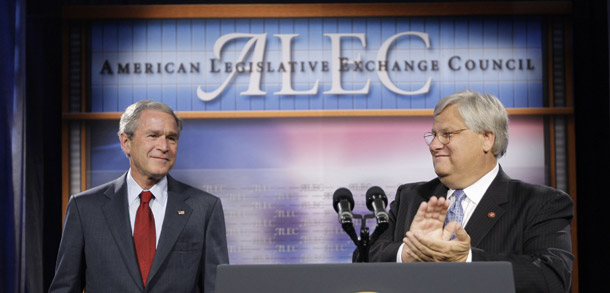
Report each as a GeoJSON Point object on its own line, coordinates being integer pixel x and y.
{"type": "Point", "coordinates": [276, 173]}
{"type": "Point", "coordinates": [276, 177]}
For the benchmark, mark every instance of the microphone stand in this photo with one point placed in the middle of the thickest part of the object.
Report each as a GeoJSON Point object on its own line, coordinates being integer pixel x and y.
{"type": "Point", "coordinates": [348, 227]}
{"type": "Point", "coordinates": [365, 241]}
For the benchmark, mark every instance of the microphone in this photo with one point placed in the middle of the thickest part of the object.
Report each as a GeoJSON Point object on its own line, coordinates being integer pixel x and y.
{"type": "Point", "coordinates": [376, 201]}
{"type": "Point", "coordinates": [343, 202]}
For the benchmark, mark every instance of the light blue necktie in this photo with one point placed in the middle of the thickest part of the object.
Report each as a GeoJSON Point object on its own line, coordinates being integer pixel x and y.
{"type": "Point", "coordinates": [456, 213]}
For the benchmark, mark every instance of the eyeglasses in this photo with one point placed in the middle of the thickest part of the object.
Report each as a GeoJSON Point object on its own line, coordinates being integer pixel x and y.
{"type": "Point", "coordinates": [443, 137]}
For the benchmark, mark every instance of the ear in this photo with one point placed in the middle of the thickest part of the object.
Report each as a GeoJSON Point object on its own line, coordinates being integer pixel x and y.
{"type": "Point", "coordinates": [488, 141]}
{"type": "Point", "coordinates": [125, 143]}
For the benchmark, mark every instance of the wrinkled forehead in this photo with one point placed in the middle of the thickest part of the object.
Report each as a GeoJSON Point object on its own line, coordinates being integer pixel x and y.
{"type": "Point", "coordinates": [157, 120]}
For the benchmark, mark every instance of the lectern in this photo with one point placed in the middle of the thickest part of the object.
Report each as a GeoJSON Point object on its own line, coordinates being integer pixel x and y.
{"type": "Point", "coordinates": [472, 277]}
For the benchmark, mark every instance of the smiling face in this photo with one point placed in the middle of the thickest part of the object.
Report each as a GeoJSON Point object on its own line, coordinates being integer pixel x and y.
{"type": "Point", "coordinates": [467, 157]}
{"type": "Point", "coordinates": [152, 149]}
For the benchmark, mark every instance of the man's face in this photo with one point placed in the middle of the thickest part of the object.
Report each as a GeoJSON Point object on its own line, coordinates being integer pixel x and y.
{"type": "Point", "coordinates": [466, 157]}
{"type": "Point", "coordinates": [152, 149]}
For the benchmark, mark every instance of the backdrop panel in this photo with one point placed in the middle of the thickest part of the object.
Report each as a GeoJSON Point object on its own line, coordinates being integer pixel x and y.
{"type": "Point", "coordinates": [276, 177]}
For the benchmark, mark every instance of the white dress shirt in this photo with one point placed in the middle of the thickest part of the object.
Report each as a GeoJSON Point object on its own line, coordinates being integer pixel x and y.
{"type": "Point", "coordinates": [474, 194]}
{"type": "Point", "coordinates": [157, 204]}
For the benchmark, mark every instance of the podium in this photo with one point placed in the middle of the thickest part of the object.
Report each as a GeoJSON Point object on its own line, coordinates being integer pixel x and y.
{"type": "Point", "coordinates": [472, 277]}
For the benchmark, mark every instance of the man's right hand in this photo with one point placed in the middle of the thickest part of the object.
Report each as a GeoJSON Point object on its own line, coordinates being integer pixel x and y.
{"type": "Point", "coordinates": [428, 222]}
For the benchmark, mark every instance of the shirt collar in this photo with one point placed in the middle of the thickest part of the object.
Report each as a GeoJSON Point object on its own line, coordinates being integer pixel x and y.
{"type": "Point", "coordinates": [476, 191]}
{"type": "Point", "coordinates": [159, 190]}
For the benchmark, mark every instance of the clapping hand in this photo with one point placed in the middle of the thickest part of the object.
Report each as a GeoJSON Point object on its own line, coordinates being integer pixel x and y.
{"type": "Point", "coordinates": [429, 241]}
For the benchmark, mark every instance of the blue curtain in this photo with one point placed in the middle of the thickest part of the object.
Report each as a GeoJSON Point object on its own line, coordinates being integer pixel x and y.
{"type": "Point", "coordinates": [12, 77]}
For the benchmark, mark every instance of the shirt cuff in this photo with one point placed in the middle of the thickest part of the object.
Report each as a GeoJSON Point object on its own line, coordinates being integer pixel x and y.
{"type": "Point", "coordinates": [399, 255]}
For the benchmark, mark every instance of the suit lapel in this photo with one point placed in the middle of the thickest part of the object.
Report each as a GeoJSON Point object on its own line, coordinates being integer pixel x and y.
{"type": "Point", "coordinates": [177, 214]}
{"type": "Point", "coordinates": [439, 191]}
{"type": "Point", "coordinates": [116, 212]}
{"type": "Point", "coordinates": [489, 210]}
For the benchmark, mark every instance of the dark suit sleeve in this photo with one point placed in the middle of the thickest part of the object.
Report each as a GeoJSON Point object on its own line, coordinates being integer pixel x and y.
{"type": "Point", "coordinates": [542, 260]}
{"type": "Point", "coordinates": [216, 252]}
{"type": "Point", "coordinates": [70, 267]}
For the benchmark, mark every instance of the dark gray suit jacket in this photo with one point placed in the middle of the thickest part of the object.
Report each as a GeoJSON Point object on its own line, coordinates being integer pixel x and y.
{"type": "Point", "coordinates": [530, 229]}
{"type": "Point", "coordinates": [97, 251]}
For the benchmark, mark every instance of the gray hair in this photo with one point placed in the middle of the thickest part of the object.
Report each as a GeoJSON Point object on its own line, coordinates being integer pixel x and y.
{"type": "Point", "coordinates": [131, 116]}
{"type": "Point", "coordinates": [481, 113]}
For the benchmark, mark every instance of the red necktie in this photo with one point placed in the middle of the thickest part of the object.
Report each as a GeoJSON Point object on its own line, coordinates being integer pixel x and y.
{"type": "Point", "coordinates": [144, 235]}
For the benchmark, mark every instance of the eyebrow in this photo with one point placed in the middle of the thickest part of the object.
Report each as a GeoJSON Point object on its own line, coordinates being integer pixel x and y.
{"type": "Point", "coordinates": [156, 131]}
{"type": "Point", "coordinates": [444, 130]}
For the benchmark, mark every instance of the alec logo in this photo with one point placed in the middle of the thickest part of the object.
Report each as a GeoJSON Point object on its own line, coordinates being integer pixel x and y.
{"type": "Point", "coordinates": [250, 61]}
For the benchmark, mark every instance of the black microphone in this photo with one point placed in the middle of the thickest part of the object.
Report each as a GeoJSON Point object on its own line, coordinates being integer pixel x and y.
{"type": "Point", "coordinates": [343, 202]}
{"type": "Point", "coordinates": [376, 201]}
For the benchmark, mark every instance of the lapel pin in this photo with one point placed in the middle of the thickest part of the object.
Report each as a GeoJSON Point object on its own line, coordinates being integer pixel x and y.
{"type": "Point", "coordinates": [180, 212]}
{"type": "Point", "coordinates": [491, 215]}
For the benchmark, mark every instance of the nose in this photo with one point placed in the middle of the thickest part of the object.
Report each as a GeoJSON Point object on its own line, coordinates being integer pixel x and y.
{"type": "Point", "coordinates": [162, 144]}
{"type": "Point", "coordinates": [436, 144]}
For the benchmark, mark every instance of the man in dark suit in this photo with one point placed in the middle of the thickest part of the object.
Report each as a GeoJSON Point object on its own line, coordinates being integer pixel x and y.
{"type": "Point", "coordinates": [504, 219]}
{"type": "Point", "coordinates": [145, 231]}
